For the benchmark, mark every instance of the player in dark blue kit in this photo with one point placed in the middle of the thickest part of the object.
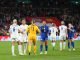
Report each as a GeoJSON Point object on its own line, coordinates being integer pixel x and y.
{"type": "Point", "coordinates": [71, 32]}
{"type": "Point", "coordinates": [44, 37]}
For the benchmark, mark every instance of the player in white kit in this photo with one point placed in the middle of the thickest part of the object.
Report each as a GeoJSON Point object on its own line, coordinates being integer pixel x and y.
{"type": "Point", "coordinates": [23, 35]}
{"type": "Point", "coordinates": [53, 31]}
{"type": "Point", "coordinates": [14, 34]}
{"type": "Point", "coordinates": [63, 35]}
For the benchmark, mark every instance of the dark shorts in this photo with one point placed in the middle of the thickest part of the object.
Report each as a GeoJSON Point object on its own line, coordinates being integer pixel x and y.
{"type": "Point", "coordinates": [70, 37]}
{"type": "Point", "coordinates": [43, 39]}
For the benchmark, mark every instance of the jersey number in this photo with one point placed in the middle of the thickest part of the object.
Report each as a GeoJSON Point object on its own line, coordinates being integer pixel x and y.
{"type": "Point", "coordinates": [61, 28]}
{"type": "Point", "coordinates": [53, 30]}
{"type": "Point", "coordinates": [14, 29]}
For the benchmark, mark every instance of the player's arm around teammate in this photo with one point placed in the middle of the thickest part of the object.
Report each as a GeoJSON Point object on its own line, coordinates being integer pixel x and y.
{"type": "Point", "coordinates": [23, 35]}
{"type": "Point", "coordinates": [14, 34]}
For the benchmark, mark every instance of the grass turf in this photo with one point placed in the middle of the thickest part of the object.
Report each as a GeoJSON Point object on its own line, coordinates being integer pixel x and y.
{"type": "Point", "coordinates": [5, 53]}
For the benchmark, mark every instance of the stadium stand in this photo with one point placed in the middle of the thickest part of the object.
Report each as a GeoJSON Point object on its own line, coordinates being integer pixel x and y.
{"type": "Point", "coordinates": [59, 10]}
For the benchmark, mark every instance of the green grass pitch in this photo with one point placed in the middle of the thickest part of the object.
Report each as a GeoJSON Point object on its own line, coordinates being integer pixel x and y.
{"type": "Point", "coordinates": [5, 53]}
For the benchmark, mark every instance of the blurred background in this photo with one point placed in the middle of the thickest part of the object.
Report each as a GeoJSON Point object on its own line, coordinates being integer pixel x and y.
{"type": "Point", "coordinates": [50, 10]}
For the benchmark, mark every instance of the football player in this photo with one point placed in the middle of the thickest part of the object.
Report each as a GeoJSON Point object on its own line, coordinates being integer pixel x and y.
{"type": "Point", "coordinates": [32, 36]}
{"type": "Point", "coordinates": [63, 35]}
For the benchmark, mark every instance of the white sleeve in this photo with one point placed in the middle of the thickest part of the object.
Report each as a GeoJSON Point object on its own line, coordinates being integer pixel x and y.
{"type": "Point", "coordinates": [49, 28]}
{"type": "Point", "coordinates": [10, 29]}
{"type": "Point", "coordinates": [56, 29]}
{"type": "Point", "coordinates": [20, 28]}
{"type": "Point", "coordinates": [66, 27]}
{"type": "Point", "coordinates": [59, 27]}
{"type": "Point", "coordinates": [27, 26]}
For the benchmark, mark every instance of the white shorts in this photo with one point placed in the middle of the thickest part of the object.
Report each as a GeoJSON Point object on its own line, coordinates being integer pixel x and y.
{"type": "Point", "coordinates": [14, 37]}
{"type": "Point", "coordinates": [62, 37]}
{"type": "Point", "coordinates": [23, 38]}
{"type": "Point", "coordinates": [52, 37]}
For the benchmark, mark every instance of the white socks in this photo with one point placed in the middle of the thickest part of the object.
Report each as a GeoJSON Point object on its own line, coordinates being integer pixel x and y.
{"type": "Point", "coordinates": [20, 49]}
{"type": "Point", "coordinates": [12, 50]}
{"type": "Point", "coordinates": [25, 48]}
{"type": "Point", "coordinates": [53, 44]}
{"type": "Point", "coordinates": [62, 45]}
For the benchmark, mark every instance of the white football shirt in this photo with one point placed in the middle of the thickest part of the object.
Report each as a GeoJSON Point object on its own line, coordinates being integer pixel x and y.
{"type": "Point", "coordinates": [23, 28]}
{"type": "Point", "coordinates": [53, 30]}
{"type": "Point", "coordinates": [14, 29]}
{"type": "Point", "coordinates": [63, 29]}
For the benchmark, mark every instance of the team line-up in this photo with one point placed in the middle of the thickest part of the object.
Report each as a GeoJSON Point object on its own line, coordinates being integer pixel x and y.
{"type": "Point", "coordinates": [26, 35]}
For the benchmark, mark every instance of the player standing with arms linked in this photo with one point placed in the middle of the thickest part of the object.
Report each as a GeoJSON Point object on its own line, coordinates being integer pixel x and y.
{"type": "Point", "coordinates": [63, 35]}
{"type": "Point", "coordinates": [53, 32]}
{"type": "Point", "coordinates": [32, 36]}
{"type": "Point", "coordinates": [71, 32]}
{"type": "Point", "coordinates": [14, 34]}
{"type": "Point", "coordinates": [44, 37]}
{"type": "Point", "coordinates": [23, 35]}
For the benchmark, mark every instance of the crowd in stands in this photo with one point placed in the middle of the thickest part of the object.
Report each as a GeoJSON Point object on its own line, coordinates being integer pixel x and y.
{"type": "Point", "coordinates": [63, 10]}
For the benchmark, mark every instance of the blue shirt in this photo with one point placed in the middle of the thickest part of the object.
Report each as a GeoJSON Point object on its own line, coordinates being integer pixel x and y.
{"type": "Point", "coordinates": [71, 32]}
{"type": "Point", "coordinates": [44, 31]}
